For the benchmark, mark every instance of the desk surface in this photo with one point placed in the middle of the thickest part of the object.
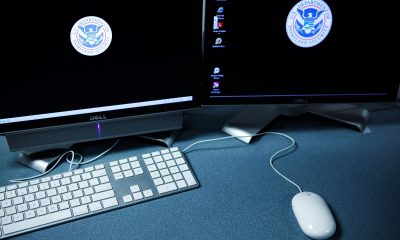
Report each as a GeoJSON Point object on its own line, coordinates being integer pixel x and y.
{"type": "Point", "coordinates": [240, 195]}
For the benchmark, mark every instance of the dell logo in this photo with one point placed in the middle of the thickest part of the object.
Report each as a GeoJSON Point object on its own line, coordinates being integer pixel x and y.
{"type": "Point", "coordinates": [300, 100]}
{"type": "Point", "coordinates": [98, 117]}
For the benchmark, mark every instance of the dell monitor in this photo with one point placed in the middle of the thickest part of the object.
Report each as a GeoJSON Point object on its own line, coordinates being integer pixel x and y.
{"type": "Point", "coordinates": [82, 71]}
{"type": "Point", "coordinates": [292, 52]}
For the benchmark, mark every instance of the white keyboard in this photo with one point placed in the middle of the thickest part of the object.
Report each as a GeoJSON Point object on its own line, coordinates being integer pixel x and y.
{"type": "Point", "coordinates": [72, 195]}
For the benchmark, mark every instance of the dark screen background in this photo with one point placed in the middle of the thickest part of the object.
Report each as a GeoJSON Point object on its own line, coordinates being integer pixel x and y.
{"type": "Point", "coordinates": [154, 54]}
{"type": "Point", "coordinates": [259, 58]}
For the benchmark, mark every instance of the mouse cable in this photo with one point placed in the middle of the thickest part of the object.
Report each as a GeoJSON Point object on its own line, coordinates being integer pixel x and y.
{"type": "Point", "coordinates": [281, 153]}
{"type": "Point", "coordinates": [69, 157]}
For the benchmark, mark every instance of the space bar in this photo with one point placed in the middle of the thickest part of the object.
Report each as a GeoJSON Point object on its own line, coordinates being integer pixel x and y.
{"type": "Point", "coordinates": [34, 222]}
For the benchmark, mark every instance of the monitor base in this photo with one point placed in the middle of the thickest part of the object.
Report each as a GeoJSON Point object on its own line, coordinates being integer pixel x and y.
{"type": "Point", "coordinates": [42, 161]}
{"type": "Point", "coordinates": [166, 139]}
{"type": "Point", "coordinates": [253, 119]}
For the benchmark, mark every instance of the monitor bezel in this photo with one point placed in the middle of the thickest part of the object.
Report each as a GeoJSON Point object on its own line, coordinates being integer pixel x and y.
{"type": "Point", "coordinates": [124, 113]}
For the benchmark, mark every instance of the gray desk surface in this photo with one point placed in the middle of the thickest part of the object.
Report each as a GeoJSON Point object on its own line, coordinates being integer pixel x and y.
{"type": "Point", "coordinates": [241, 197]}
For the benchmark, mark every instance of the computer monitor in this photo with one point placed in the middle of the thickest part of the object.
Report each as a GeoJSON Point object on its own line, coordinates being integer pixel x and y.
{"type": "Point", "coordinates": [292, 52]}
{"type": "Point", "coordinates": [82, 71]}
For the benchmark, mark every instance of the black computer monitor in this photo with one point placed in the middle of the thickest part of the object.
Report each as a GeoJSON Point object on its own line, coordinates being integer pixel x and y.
{"type": "Point", "coordinates": [290, 51]}
{"type": "Point", "coordinates": [82, 71]}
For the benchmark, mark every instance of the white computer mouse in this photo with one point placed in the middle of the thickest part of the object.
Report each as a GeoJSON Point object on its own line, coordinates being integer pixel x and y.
{"type": "Point", "coordinates": [313, 215]}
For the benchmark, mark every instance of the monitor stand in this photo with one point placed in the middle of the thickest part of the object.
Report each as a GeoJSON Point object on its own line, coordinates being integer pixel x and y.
{"type": "Point", "coordinates": [42, 161]}
{"type": "Point", "coordinates": [165, 139]}
{"type": "Point", "coordinates": [253, 119]}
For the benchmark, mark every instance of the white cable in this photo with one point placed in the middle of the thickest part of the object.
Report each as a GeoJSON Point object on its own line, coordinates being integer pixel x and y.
{"type": "Point", "coordinates": [95, 158]}
{"type": "Point", "coordinates": [46, 172]}
{"type": "Point", "coordinates": [70, 160]}
{"type": "Point", "coordinates": [274, 156]}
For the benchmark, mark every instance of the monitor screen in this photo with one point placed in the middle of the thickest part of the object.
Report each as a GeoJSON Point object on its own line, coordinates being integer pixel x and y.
{"type": "Point", "coordinates": [298, 52]}
{"type": "Point", "coordinates": [66, 62]}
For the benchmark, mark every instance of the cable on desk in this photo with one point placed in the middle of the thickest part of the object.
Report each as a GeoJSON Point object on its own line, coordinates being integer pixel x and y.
{"type": "Point", "coordinates": [281, 153]}
{"type": "Point", "coordinates": [69, 157]}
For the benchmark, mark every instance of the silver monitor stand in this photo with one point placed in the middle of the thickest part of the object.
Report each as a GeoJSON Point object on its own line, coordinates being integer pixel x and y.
{"type": "Point", "coordinates": [253, 119]}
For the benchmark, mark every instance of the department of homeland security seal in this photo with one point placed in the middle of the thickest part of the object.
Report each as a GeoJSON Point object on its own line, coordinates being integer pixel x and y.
{"type": "Point", "coordinates": [91, 36]}
{"type": "Point", "coordinates": [308, 23]}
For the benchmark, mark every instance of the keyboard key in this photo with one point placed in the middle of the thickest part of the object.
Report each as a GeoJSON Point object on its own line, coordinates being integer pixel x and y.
{"type": "Point", "coordinates": [164, 172]}
{"type": "Point", "coordinates": [102, 187]}
{"type": "Point", "coordinates": [122, 161]}
{"type": "Point", "coordinates": [127, 198]}
{"type": "Point", "coordinates": [131, 159]}
{"type": "Point", "coordinates": [137, 196]}
{"type": "Point", "coordinates": [147, 193]}
{"type": "Point", "coordinates": [167, 179]}
{"type": "Point", "coordinates": [183, 167]}
{"type": "Point", "coordinates": [58, 176]}
{"type": "Point", "coordinates": [41, 220]}
{"type": "Point", "coordinates": [135, 164]}
{"type": "Point", "coordinates": [21, 208]}
{"type": "Point", "coordinates": [6, 203]}
{"type": "Point", "coordinates": [177, 176]}
{"type": "Point", "coordinates": [74, 202]}
{"type": "Point", "coordinates": [189, 178]}
{"type": "Point", "coordinates": [18, 217]}
{"type": "Point", "coordinates": [152, 167]}
{"type": "Point", "coordinates": [80, 210]}
{"type": "Point", "coordinates": [41, 211]}
{"type": "Point", "coordinates": [125, 167]}
{"type": "Point", "coordinates": [164, 151]}
{"type": "Point", "coordinates": [53, 208]}
{"type": "Point", "coordinates": [174, 170]}
{"type": "Point", "coordinates": [30, 214]}
{"type": "Point", "coordinates": [95, 206]}
{"type": "Point", "coordinates": [109, 202]}
{"type": "Point", "coordinates": [138, 171]}
{"type": "Point", "coordinates": [148, 161]}
{"type": "Point", "coordinates": [10, 211]}
{"type": "Point", "coordinates": [11, 194]}
{"type": "Point", "coordinates": [176, 154]}
{"type": "Point", "coordinates": [104, 179]}
{"type": "Point", "coordinates": [166, 187]}
{"type": "Point", "coordinates": [18, 200]}
{"type": "Point", "coordinates": [155, 153]}
{"type": "Point", "coordinates": [88, 169]}
{"type": "Point", "coordinates": [113, 163]}
{"type": "Point", "coordinates": [181, 184]}
{"type": "Point", "coordinates": [174, 149]}
{"type": "Point", "coordinates": [180, 161]}
{"type": "Point", "coordinates": [128, 173]}
{"type": "Point", "coordinates": [63, 205]}
{"type": "Point", "coordinates": [99, 173]}
{"type": "Point", "coordinates": [155, 174]}
{"type": "Point", "coordinates": [6, 220]}
{"type": "Point", "coordinates": [135, 188]}
{"type": "Point", "coordinates": [99, 166]}
{"type": "Point", "coordinates": [147, 155]}
{"type": "Point", "coordinates": [102, 195]}
{"type": "Point", "coordinates": [158, 159]}
{"type": "Point", "coordinates": [167, 156]}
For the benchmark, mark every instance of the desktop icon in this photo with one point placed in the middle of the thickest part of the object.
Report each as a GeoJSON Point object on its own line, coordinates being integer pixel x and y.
{"type": "Point", "coordinates": [217, 70]}
{"type": "Point", "coordinates": [218, 41]}
{"type": "Point", "coordinates": [215, 85]}
{"type": "Point", "coordinates": [220, 10]}
{"type": "Point", "coordinates": [220, 24]}
{"type": "Point", "coordinates": [215, 23]}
